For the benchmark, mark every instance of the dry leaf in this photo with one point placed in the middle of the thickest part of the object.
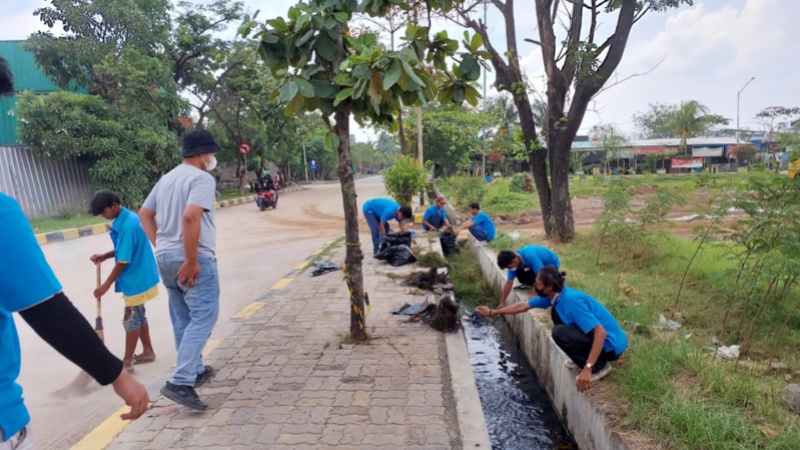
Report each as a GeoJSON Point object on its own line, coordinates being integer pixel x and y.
{"type": "Point", "coordinates": [769, 432]}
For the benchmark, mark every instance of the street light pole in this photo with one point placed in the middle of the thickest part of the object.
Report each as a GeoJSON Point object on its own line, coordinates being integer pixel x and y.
{"type": "Point", "coordinates": [305, 160]}
{"type": "Point", "coordinates": [483, 151]}
{"type": "Point", "coordinates": [738, 94]}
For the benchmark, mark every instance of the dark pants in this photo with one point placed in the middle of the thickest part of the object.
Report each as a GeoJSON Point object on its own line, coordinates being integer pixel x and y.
{"type": "Point", "coordinates": [526, 276]}
{"type": "Point", "coordinates": [374, 227]}
{"type": "Point", "coordinates": [577, 344]}
{"type": "Point", "coordinates": [479, 233]}
{"type": "Point", "coordinates": [436, 220]}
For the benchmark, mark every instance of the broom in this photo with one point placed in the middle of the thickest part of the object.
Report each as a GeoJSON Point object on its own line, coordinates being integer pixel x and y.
{"type": "Point", "coordinates": [83, 379]}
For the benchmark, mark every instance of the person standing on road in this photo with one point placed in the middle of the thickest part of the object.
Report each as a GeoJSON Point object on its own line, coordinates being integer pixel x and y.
{"type": "Point", "coordinates": [481, 225]}
{"type": "Point", "coordinates": [435, 216]}
{"type": "Point", "coordinates": [378, 212]}
{"type": "Point", "coordinates": [524, 265]}
{"type": "Point", "coordinates": [29, 287]}
{"type": "Point", "coordinates": [178, 217]}
{"type": "Point", "coordinates": [135, 273]}
{"type": "Point", "coordinates": [584, 329]}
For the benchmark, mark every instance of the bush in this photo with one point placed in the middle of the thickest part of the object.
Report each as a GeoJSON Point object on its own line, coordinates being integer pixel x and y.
{"type": "Point", "coordinates": [466, 190]}
{"type": "Point", "coordinates": [404, 178]}
{"type": "Point", "coordinates": [522, 183]}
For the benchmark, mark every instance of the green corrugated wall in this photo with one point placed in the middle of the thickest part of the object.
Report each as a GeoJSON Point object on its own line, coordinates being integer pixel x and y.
{"type": "Point", "coordinates": [27, 76]}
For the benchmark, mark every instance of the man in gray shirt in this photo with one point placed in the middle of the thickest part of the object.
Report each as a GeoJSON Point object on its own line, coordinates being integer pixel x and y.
{"type": "Point", "coordinates": [178, 217]}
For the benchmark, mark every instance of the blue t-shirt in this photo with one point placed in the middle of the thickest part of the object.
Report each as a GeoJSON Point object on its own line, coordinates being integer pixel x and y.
{"type": "Point", "coordinates": [26, 281]}
{"type": "Point", "coordinates": [386, 209]}
{"type": "Point", "coordinates": [534, 257]}
{"type": "Point", "coordinates": [132, 247]}
{"type": "Point", "coordinates": [580, 309]}
{"type": "Point", "coordinates": [483, 221]}
{"type": "Point", "coordinates": [430, 212]}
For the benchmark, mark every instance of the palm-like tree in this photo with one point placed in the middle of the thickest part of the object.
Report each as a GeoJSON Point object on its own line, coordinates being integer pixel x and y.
{"type": "Point", "coordinates": [692, 119]}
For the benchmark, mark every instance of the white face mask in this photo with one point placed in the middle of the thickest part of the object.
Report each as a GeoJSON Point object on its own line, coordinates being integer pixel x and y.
{"type": "Point", "coordinates": [211, 165]}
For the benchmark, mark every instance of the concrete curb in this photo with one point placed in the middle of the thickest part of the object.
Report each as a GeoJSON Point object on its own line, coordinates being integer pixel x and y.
{"type": "Point", "coordinates": [100, 228]}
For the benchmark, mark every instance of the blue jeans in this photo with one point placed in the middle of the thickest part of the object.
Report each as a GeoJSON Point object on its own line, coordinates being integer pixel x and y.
{"type": "Point", "coordinates": [436, 220]}
{"type": "Point", "coordinates": [479, 233]}
{"type": "Point", "coordinates": [193, 311]}
{"type": "Point", "coordinates": [374, 227]}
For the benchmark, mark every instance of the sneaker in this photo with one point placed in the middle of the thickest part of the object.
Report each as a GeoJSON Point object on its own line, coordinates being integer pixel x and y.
{"type": "Point", "coordinates": [523, 287]}
{"type": "Point", "coordinates": [183, 395]}
{"type": "Point", "coordinates": [601, 373]}
{"type": "Point", "coordinates": [205, 376]}
{"type": "Point", "coordinates": [570, 364]}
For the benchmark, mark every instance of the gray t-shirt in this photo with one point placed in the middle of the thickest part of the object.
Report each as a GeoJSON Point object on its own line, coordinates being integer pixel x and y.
{"type": "Point", "coordinates": [183, 185]}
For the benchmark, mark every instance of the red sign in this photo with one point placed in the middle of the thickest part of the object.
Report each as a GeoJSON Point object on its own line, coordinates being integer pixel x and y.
{"type": "Point", "coordinates": [244, 148]}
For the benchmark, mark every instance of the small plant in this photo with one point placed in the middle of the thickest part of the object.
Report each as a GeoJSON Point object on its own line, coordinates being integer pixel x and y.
{"type": "Point", "coordinates": [404, 178]}
{"type": "Point", "coordinates": [466, 190]}
{"type": "Point", "coordinates": [522, 183]}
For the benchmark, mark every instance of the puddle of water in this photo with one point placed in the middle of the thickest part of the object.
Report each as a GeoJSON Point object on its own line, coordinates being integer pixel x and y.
{"type": "Point", "coordinates": [518, 412]}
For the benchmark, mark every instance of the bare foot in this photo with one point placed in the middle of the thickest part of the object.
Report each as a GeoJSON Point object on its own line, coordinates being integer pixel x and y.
{"type": "Point", "coordinates": [127, 367]}
{"type": "Point", "coordinates": [144, 358]}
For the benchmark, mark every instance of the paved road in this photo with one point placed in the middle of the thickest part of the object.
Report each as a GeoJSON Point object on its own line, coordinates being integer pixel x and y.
{"type": "Point", "coordinates": [255, 250]}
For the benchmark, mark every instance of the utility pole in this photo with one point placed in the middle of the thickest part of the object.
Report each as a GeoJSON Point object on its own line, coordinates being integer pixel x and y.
{"type": "Point", "coordinates": [737, 107]}
{"type": "Point", "coordinates": [485, 109]}
{"type": "Point", "coordinates": [305, 160]}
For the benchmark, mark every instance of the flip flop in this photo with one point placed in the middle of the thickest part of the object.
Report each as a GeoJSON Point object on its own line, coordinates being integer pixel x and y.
{"type": "Point", "coordinates": [137, 360]}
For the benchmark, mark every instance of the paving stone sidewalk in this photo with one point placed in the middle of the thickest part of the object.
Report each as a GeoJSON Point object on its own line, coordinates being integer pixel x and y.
{"type": "Point", "coordinates": [286, 380]}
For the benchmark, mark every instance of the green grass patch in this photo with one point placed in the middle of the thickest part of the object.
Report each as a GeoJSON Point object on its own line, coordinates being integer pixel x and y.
{"type": "Point", "coordinates": [64, 221]}
{"type": "Point", "coordinates": [325, 254]}
{"type": "Point", "coordinates": [470, 286]}
{"type": "Point", "coordinates": [228, 194]}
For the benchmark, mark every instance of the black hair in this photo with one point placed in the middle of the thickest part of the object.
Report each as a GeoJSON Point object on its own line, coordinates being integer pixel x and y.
{"type": "Point", "coordinates": [504, 258]}
{"type": "Point", "coordinates": [475, 205]}
{"type": "Point", "coordinates": [102, 200]}
{"type": "Point", "coordinates": [406, 212]}
{"type": "Point", "coordinates": [550, 276]}
{"type": "Point", "coordinates": [6, 79]}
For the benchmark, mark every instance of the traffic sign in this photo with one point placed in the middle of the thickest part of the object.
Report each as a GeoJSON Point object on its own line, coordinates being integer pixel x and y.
{"type": "Point", "coordinates": [313, 164]}
{"type": "Point", "coordinates": [244, 148]}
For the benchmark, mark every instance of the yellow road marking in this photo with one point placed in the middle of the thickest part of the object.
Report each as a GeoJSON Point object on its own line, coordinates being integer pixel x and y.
{"type": "Point", "coordinates": [71, 233]}
{"type": "Point", "coordinates": [211, 344]}
{"type": "Point", "coordinates": [282, 283]}
{"type": "Point", "coordinates": [105, 433]}
{"type": "Point", "coordinates": [249, 310]}
{"type": "Point", "coordinates": [317, 252]}
{"type": "Point", "coordinates": [302, 265]}
{"type": "Point", "coordinates": [41, 239]}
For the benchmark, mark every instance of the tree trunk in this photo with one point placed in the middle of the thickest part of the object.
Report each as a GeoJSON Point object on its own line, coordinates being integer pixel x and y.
{"type": "Point", "coordinates": [354, 256]}
{"type": "Point", "coordinates": [563, 219]}
{"type": "Point", "coordinates": [401, 132]}
{"type": "Point", "coordinates": [536, 158]}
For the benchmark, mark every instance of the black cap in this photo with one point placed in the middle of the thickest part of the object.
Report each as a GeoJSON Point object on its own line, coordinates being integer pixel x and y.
{"type": "Point", "coordinates": [198, 142]}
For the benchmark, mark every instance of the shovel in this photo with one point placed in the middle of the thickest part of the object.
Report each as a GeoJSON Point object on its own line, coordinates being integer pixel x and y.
{"type": "Point", "coordinates": [83, 379]}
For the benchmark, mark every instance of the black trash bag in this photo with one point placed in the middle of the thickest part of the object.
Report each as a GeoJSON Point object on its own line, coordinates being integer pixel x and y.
{"type": "Point", "coordinates": [323, 267]}
{"type": "Point", "coordinates": [397, 238]}
{"type": "Point", "coordinates": [397, 255]}
{"type": "Point", "coordinates": [449, 244]}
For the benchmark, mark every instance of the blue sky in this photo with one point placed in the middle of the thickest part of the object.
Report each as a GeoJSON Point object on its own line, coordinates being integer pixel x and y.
{"type": "Point", "coordinates": [709, 52]}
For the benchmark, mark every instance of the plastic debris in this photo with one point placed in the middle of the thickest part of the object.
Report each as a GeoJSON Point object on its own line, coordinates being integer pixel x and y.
{"type": "Point", "coordinates": [669, 323]}
{"type": "Point", "coordinates": [728, 352]}
{"type": "Point", "coordinates": [323, 267]}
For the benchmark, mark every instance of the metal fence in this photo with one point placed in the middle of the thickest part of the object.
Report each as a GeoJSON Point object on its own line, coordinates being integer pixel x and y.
{"type": "Point", "coordinates": [43, 188]}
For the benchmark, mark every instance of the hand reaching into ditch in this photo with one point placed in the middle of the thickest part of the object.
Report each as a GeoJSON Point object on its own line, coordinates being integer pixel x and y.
{"type": "Point", "coordinates": [485, 311]}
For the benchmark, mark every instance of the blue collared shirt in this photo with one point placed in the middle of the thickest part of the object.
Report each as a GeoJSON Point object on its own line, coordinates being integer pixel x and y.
{"type": "Point", "coordinates": [132, 247]}
{"type": "Point", "coordinates": [386, 209]}
{"type": "Point", "coordinates": [430, 212]}
{"type": "Point", "coordinates": [535, 257]}
{"type": "Point", "coordinates": [484, 221]}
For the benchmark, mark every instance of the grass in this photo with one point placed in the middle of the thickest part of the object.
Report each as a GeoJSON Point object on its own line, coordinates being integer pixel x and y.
{"type": "Point", "coordinates": [470, 286]}
{"type": "Point", "coordinates": [63, 221]}
{"type": "Point", "coordinates": [228, 194]}
{"type": "Point", "coordinates": [325, 254]}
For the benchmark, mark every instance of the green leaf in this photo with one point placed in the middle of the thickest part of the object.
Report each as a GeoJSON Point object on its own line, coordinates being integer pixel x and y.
{"type": "Point", "coordinates": [305, 88]}
{"type": "Point", "coordinates": [343, 79]}
{"type": "Point", "coordinates": [411, 74]}
{"type": "Point", "coordinates": [305, 38]}
{"type": "Point", "coordinates": [294, 106]}
{"type": "Point", "coordinates": [279, 24]}
{"type": "Point", "coordinates": [325, 46]}
{"type": "Point", "coordinates": [269, 38]}
{"type": "Point", "coordinates": [332, 141]}
{"type": "Point", "coordinates": [472, 95]}
{"type": "Point", "coordinates": [342, 17]}
{"type": "Point", "coordinates": [302, 21]}
{"type": "Point", "coordinates": [392, 74]}
{"type": "Point", "coordinates": [362, 72]}
{"type": "Point", "coordinates": [342, 95]}
{"type": "Point", "coordinates": [469, 68]}
{"type": "Point", "coordinates": [375, 90]}
{"type": "Point", "coordinates": [289, 91]}
{"type": "Point", "coordinates": [476, 43]}
{"type": "Point", "coordinates": [324, 88]}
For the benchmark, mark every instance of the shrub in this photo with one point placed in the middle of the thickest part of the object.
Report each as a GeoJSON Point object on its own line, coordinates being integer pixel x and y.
{"type": "Point", "coordinates": [466, 190]}
{"type": "Point", "coordinates": [404, 178]}
{"type": "Point", "coordinates": [522, 183]}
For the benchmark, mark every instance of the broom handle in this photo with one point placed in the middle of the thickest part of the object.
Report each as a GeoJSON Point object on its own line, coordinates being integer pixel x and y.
{"type": "Point", "coordinates": [99, 281]}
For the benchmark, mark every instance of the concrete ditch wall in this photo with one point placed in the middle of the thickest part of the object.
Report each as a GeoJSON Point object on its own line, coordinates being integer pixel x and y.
{"type": "Point", "coordinates": [584, 416]}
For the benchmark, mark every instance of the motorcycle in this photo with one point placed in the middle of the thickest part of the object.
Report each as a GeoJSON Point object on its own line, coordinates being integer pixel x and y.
{"type": "Point", "coordinates": [265, 198]}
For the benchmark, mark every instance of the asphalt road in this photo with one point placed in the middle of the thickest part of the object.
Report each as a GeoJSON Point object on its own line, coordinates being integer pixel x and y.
{"type": "Point", "coordinates": [255, 250]}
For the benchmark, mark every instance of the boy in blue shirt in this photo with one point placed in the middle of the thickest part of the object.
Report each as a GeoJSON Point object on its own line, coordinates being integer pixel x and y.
{"type": "Point", "coordinates": [524, 265]}
{"type": "Point", "coordinates": [435, 216]}
{"type": "Point", "coordinates": [584, 329]}
{"type": "Point", "coordinates": [481, 225]}
{"type": "Point", "coordinates": [378, 212]}
{"type": "Point", "coordinates": [135, 273]}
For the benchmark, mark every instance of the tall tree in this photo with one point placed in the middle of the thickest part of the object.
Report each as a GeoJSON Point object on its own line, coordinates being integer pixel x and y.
{"type": "Point", "coordinates": [325, 68]}
{"type": "Point", "coordinates": [653, 122]}
{"type": "Point", "coordinates": [613, 141]}
{"type": "Point", "coordinates": [691, 119]}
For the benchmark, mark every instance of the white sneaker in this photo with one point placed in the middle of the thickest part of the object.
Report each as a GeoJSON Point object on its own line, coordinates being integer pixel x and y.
{"type": "Point", "coordinates": [600, 375]}
{"type": "Point", "coordinates": [570, 364]}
